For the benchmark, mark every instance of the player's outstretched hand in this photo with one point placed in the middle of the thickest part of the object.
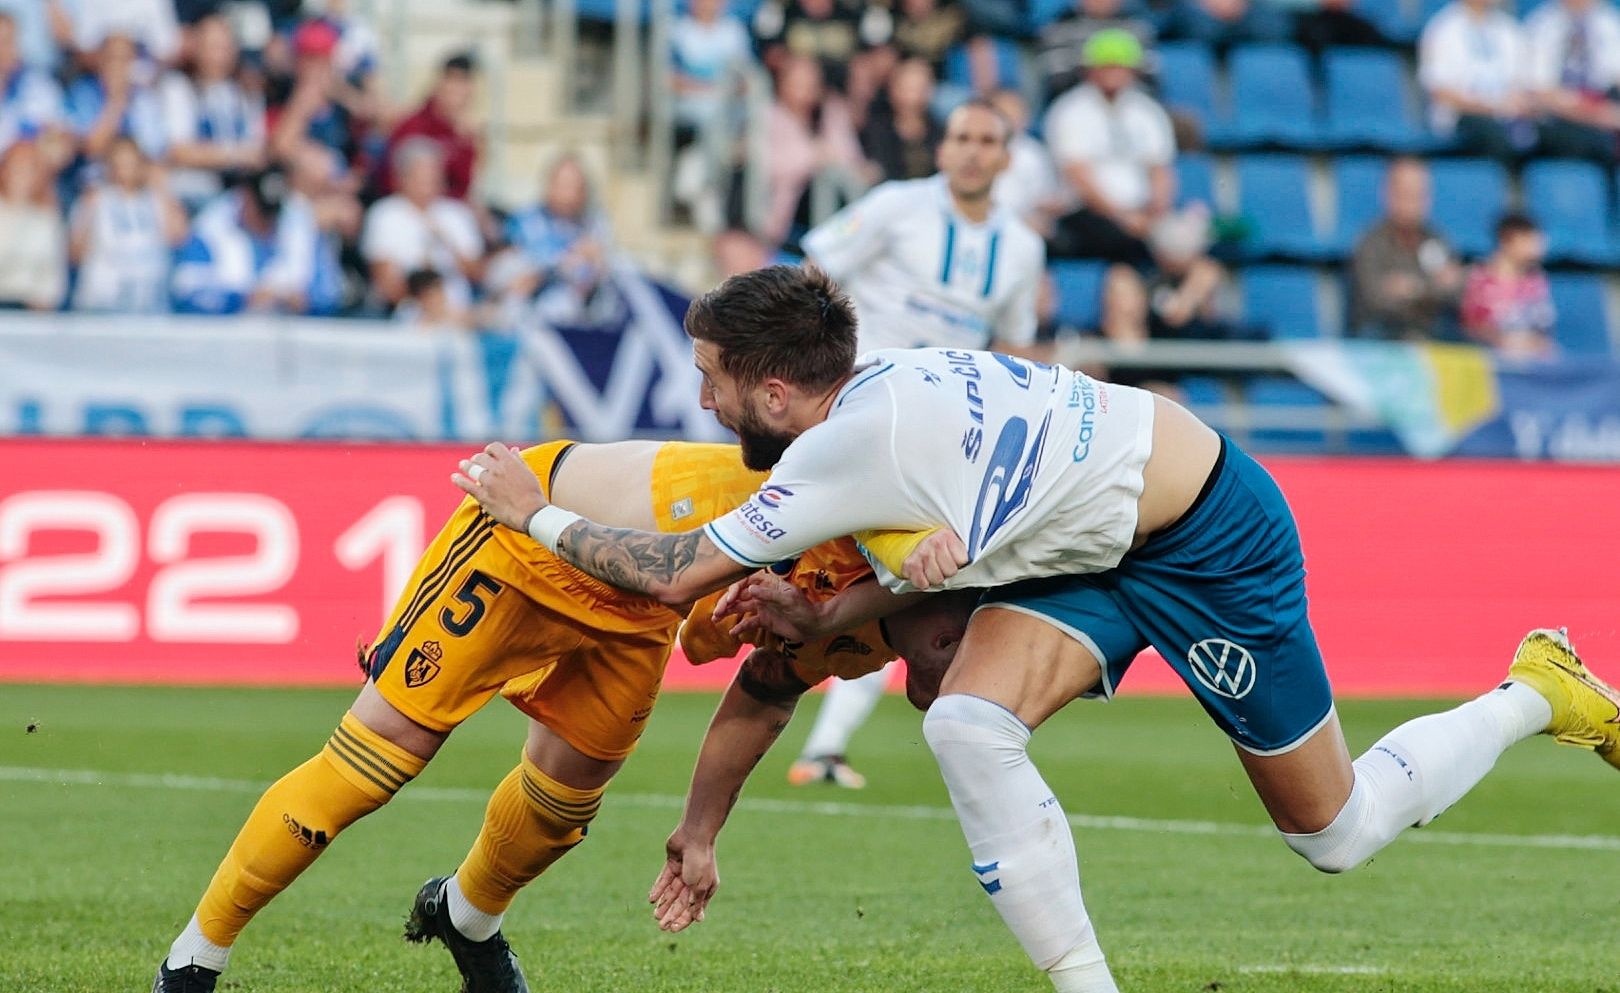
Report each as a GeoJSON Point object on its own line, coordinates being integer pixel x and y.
{"type": "Point", "coordinates": [936, 558]}
{"type": "Point", "coordinates": [687, 883]}
{"type": "Point", "coordinates": [502, 483]}
{"type": "Point", "coordinates": [765, 602]}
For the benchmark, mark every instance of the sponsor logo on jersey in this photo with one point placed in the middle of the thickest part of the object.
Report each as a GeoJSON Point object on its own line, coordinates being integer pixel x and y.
{"type": "Point", "coordinates": [1224, 667]}
{"type": "Point", "coordinates": [680, 508]}
{"type": "Point", "coordinates": [423, 664]}
{"type": "Point", "coordinates": [771, 496]}
{"type": "Point", "coordinates": [754, 516]}
{"type": "Point", "coordinates": [1083, 397]}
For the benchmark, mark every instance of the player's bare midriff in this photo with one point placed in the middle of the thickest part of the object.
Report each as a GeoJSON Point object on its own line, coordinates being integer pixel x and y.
{"type": "Point", "coordinates": [1184, 454]}
{"type": "Point", "coordinates": [609, 484]}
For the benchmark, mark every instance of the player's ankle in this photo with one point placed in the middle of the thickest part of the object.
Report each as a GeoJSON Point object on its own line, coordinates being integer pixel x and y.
{"type": "Point", "coordinates": [192, 947]}
{"type": "Point", "coordinates": [473, 923]}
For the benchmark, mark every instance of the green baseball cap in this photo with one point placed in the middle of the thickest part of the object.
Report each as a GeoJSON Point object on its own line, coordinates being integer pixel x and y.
{"type": "Point", "coordinates": [1112, 47]}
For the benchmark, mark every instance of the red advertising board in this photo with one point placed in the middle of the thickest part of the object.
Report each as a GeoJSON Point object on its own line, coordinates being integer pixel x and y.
{"type": "Point", "coordinates": [266, 563]}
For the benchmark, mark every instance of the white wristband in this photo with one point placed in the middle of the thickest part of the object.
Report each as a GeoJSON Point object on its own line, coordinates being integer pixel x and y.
{"type": "Point", "coordinates": [548, 524]}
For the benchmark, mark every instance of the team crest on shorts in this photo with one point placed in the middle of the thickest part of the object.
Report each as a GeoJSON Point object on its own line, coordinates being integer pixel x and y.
{"type": "Point", "coordinates": [423, 664]}
{"type": "Point", "coordinates": [1224, 667]}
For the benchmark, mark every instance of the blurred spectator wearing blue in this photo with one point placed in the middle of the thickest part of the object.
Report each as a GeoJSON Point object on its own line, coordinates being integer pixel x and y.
{"type": "Point", "coordinates": [1115, 146]}
{"type": "Point", "coordinates": [845, 37]}
{"type": "Point", "coordinates": [115, 102]}
{"type": "Point", "coordinates": [235, 260]}
{"type": "Point", "coordinates": [1405, 278]}
{"type": "Point", "coordinates": [320, 216]}
{"type": "Point", "coordinates": [1229, 22]}
{"type": "Point", "coordinates": [1507, 303]}
{"type": "Point", "coordinates": [901, 135]}
{"type": "Point", "coordinates": [30, 101]}
{"type": "Point", "coordinates": [312, 110]}
{"type": "Point", "coordinates": [421, 228]}
{"type": "Point", "coordinates": [707, 44]}
{"type": "Point", "coordinates": [34, 38]}
{"type": "Point", "coordinates": [446, 119]}
{"type": "Point", "coordinates": [562, 246]}
{"type": "Point", "coordinates": [1179, 298]}
{"type": "Point", "coordinates": [1574, 71]}
{"type": "Point", "coordinates": [1059, 47]}
{"type": "Point", "coordinates": [33, 250]}
{"type": "Point", "coordinates": [1471, 62]}
{"type": "Point", "coordinates": [123, 232]}
{"type": "Point", "coordinates": [1030, 186]}
{"type": "Point", "coordinates": [355, 60]}
{"type": "Point", "coordinates": [150, 24]}
{"type": "Point", "coordinates": [215, 125]}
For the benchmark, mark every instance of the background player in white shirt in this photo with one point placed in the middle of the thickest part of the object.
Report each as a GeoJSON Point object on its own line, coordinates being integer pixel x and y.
{"type": "Point", "coordinates": [928, 263]}
{"type": "Point", "coordinates": [933, 262]}
{"type": "Point", "coordinates": [1147, 528]}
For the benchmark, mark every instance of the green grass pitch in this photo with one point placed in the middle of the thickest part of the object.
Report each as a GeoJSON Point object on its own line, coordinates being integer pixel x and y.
{"type": "Point", "coordinates": [822, 890]}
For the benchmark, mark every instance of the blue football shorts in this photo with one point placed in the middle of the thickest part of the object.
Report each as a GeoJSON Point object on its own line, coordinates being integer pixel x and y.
{"type": "Point", "coordinates": [1221, 595]}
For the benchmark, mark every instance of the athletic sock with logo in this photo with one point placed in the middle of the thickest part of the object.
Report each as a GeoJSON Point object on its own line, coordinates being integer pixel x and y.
{"type": "Point", "coordinates": [1415, 772]}
{"type": "Point", "coordinates": [293, 822]}
{"type": "Point", "coordinates": [847, 705]}
{"type": "Point", "coordinates": [531, 821]}
{"type": "Point", "coordinates": [1023, 850]}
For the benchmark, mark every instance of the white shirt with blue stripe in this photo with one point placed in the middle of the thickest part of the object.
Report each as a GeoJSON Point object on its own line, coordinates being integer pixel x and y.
{"type": "Point", "coordinates": [921, 274]}
{"type": "Point", "coordinates": [1038, 468]}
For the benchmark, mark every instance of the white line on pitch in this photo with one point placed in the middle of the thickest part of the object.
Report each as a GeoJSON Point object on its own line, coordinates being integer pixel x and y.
{"type": "Point", "coordinates": [1313, 970]}
{"type": "Point", "coordinates": [800, 808]}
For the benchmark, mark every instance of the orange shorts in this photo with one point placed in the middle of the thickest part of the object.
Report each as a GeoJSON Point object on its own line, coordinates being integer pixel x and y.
{"type": "Point", "coordinates": [488, 610]}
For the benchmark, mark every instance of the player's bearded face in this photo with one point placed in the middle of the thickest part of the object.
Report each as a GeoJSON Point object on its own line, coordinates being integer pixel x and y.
{"type": "Point", "coordinates": [762, 446]}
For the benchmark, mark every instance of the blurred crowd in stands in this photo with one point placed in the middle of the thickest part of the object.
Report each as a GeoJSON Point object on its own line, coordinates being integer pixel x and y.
{"type": "Point", "coordinates": [224, 156]}
{"type": "Point", "coordinates": [1132, 114]}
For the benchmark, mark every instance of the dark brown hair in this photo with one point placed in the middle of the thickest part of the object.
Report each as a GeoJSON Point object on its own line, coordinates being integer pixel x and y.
{"type": "Point", "coordinates": [782, 322]}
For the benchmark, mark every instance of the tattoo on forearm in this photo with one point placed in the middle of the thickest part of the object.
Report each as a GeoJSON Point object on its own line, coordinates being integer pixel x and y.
{"type": "Point", "coordinates": [639, 561]}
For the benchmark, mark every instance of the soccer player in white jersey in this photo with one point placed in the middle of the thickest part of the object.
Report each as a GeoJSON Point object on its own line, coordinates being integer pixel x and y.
{"type": "Point", "coordinates": [928, 263]}
{"type": "Point", "coordinates": [1137, 524]}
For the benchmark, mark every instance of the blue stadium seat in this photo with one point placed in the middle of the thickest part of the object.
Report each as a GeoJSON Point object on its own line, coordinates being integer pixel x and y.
{"type": "Point", "coordinates": [1282, 298]}
{"type": "Point", "coordinates": [1195, 180]}
{"type": "Point", "coordinates": [1360, 184]}
{"type": "Point", "coordinates": [1186, 78]}
{"type": "Point", "coordinates": [1079, 292]}
{"type": "Point", "coordinates": [1044, 12]}
{"type": "Point", "coordinates": [1367, 102]}
{"type": "Point", "coordinates": [1009, 65]}
{"type": "Point", "coordinates": [1583, 326]}
{"type": "Point", "coordinates": [1274, 199]}
{"type": "Point", "coordinates": [1469, 196]}
{"type": "Point", "coordinates": [1272, 101]}
{"type": "Point", "coordinates": [1570, 200]}
{"type": "Point", "coordinates": [1202, 391]}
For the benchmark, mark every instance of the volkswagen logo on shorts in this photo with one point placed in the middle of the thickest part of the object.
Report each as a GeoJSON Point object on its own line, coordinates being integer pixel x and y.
{"type": "Point", "coordinates": [1225, 668]}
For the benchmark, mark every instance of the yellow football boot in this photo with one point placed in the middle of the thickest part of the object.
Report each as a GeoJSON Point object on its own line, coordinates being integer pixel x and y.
{"type": "Point", "coordinates": [1586, 710]}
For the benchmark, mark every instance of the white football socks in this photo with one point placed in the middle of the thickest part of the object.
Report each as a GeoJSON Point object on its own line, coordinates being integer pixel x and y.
{"type": "Point", "coordinates": [191, 948]}
{"type": "Point", "coordinates": [848, 703]}
{"type": "Point", "coordinates": [1023, 850]}
{"type": "Point", "coordinates": [469, 920]}
{"type": "Point", "coordinates": [1415, 772]}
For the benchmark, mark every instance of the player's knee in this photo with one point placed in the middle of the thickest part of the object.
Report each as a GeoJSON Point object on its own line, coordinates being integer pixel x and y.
{"type": "Point", "coordinates": [960, 727]}
{"type": "Point", "coordinates": [1344, 844]}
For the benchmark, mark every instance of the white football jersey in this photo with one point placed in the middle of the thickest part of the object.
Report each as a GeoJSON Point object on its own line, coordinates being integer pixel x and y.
{"type": "Point", "coordinates": [922, 275]}
{"type": "Point", "coordinates": [1037, 468]}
